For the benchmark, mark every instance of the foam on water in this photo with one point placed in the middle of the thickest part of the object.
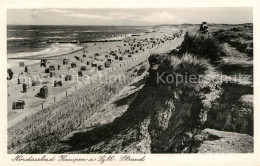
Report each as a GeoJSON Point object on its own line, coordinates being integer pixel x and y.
{"type": "Point", "coordinates": [17, 38]}
{"type": "Point", "coordinates": [54, 49]}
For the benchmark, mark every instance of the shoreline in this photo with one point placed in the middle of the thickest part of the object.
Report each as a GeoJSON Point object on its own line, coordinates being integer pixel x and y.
{"type": "Point", "coordinates": [88, 41]}
{"type": "Point", "coordinates": [49, 57]}
{"type": "Point", "coordinates": [39, 57]}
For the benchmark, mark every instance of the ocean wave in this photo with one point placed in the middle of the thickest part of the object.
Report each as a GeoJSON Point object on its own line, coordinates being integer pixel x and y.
{"type": "Point", "coordinates": [20, 30]}
{"type": "Point", "coordinates": [54, 32]}
{"type": "Point", "coordinates": [17, 38]}
{"type": "Point", "coordinates": [87, 31]}
{"type": "Point", "coordinates": [54, 37]}
{"type": "Point", "coordinates": [54, 49]}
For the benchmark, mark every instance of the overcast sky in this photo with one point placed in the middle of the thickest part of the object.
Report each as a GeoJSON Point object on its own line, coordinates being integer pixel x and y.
{"type": "Point", "coordinates": [128, 16]}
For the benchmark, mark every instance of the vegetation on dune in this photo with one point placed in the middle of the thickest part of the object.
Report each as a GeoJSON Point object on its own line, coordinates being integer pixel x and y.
{"type": "Point", "coordinates": [156, 59]}
{"type": "Point", "coordinates": [192, 65]}
{"type": "Point", "coordinates": [185, 65]}
{"type": "Point", "coordinates": [239, 37]}
{"type": "Point", "coordinates": [204, 46]}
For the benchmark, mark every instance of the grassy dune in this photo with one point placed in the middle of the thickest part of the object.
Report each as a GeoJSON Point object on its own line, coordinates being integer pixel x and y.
{"type": "Point", "coordinates": [240, 37]}
{"type": "Point", "coordinates": [165, 118]}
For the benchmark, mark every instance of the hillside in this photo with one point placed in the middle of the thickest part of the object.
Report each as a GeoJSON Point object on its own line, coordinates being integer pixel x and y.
{"type": "Point", "coordinates": [173, 118]}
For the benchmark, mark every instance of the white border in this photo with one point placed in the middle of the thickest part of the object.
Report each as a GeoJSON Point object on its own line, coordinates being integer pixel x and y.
{"type": "Point", "coordinates": [151, 159]}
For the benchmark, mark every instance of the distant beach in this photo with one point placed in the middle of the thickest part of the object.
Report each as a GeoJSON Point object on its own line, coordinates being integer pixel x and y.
{"type": "Point", "coordinates": [32, 43]}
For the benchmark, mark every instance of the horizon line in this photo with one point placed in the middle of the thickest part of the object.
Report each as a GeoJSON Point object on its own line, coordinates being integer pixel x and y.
{"type": "Point", "coordinates": [126, 25]}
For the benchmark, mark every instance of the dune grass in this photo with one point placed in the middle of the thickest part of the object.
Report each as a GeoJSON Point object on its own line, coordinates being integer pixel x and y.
{"type": "Point", "coordinates": [203, 46]}
{"type": "Point", "coordinates": [238, 37]}
{"type": "Point", "coordinates": [193, 65]}
{"type": "Point", "coordinates": [183, 65]}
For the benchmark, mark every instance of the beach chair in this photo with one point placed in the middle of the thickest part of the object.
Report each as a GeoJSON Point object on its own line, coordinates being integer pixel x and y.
{"type": "Point", "coordinates": [94, 64]}
{"type": "Point", "coordinates": [77, 58]}
{"type": "Point", "coordinates": [65, 61]}
{"type": "Point", "coordinates": [24, 88]}
{"type": "Point", "coordinates": [26, 69]}
{"type": "Point", "coordinates": [84, 68]}
{"type": "Point", "coordinates": [47, 70]}
{"type": "Point", "coordinates": [19, 104]}
{"type": "Point", "coordinates": [43, 92]}
{"type": "Point", "coordinates": [68, 78]}
{"type": "Point", "coordinates": [110, 60]}
{"type": "Point", "coordinates": [43, 63]}
{"type": "Point", "coordinates": [10, 73]}
{"type": "Point", "coordinates": [101, 67]}
{"type": "Point", "coordinates": [73, 65]}
{"type": "Point", "coordinates": [21, 64]}
{"type": "Point", "coordinates": [35, 83]}
{"type": "Point", "coordinates": [80, 74]}
{"type": "Point", "coordinates": [52, 67]}
{"type": "Point", "coordinates": [57, 83]}
{"type": "Point", "coordinates": [107, 64]}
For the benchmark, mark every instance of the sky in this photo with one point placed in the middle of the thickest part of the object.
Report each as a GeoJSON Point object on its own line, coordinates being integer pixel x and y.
{"type": "Point", "coordinates": [137, 16]}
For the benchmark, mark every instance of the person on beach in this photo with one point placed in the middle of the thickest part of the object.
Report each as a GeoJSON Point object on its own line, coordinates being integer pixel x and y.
{"type": "Point", "coordinates": [24, 88]}
{"type": "Point", "coordinates": [10, 72]}
{"type": "Point", "coordinates": [204, 28]}
{"type": "Point", "coordinates": [26, 69]}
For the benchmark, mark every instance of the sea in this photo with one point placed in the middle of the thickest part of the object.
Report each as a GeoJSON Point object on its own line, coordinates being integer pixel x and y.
{"type": "Point", "coordinates": [33, 40]}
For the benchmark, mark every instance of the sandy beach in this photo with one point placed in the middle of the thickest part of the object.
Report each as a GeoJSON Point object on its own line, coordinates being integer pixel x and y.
{"type": "Point", "coordinates": [56, 57]}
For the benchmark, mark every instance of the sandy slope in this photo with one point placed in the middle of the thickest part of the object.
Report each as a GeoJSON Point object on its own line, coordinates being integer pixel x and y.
{"type": "Point", "coordinates": [225, 142]}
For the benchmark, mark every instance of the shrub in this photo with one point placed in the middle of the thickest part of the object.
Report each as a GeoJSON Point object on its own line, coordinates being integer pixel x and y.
{"type": "Point", "coordinates": [156, 59]}
{"type": "Point", "coordinates": [170, 65]}
{"type": "Point", "coordinates": [205, 46]}
{"type": "Point", "coordinates": [186, 65]}
{"type": "Point", "coordinates": [238, 37]}
{"type": "Point", "coordinates": [236, 29]}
